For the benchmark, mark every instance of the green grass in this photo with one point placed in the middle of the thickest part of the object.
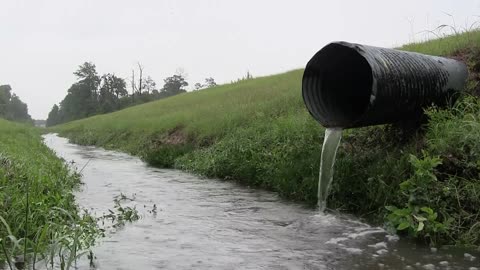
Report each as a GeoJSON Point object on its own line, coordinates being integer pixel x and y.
{"type": "Point", "coordinates": [201, 115]}
{"type": "Point", "coordinates": [259, 133]}
{"type": "Point", "coordinates": [448, 45]}
{"type": "Point", "coordinates": [37, 208]}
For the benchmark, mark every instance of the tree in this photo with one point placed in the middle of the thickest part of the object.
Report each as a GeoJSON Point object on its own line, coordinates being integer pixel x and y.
{"type": "Point", "coordinates": [53, 116]}
{"type": "Point", "coordinates": [119, 86]}
{"type": "Point", "coordinates": [87, 74]}
{"type": "Point", "coordinates": [199, 86]}
{"type": "Point", "coordinates": [137, 87]}
{"type": "Point", "coordinates": [80, 101]}
{"type": "Point", "coordinates": [89, 81]}
{"type": "Point", "coordinates": [149, 85]}
{"type": "Point", "coordinates": [142, 84]}
{"type": "Point", "coordinates": [112, 87]}
{"type": "Point", "coordinates": [174, 85]}
{"type": "Point", "coordinates": [5, 95]}
{"type": "Point", "coordinates": [17, 110]}
{"type": "Point", "coordinates": [11, 106]}
{"type": "Point", "coordinates": [91, 94]}
{"type": "Point", "coordinates": [210, 82]}
{"type": "Point", "coordinates": [82, 97]}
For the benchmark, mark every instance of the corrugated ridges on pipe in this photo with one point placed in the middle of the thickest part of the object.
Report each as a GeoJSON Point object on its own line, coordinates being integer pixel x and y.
{"type": "Point", "coordinates": [351, 85]}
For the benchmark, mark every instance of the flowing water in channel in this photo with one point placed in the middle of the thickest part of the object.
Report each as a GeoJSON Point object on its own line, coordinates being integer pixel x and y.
{"type": "Point", "coordinates": [327, 162]}
{"type": "Point", "coordinates": [212, 224]}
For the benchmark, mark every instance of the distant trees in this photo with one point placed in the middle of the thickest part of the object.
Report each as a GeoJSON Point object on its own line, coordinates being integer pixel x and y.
{"type": "Point", "coordinates": [111, 90]}
{"type": "Point", "coordinates": [174, 85]}
{"type": "Point", "coordinates": [17, 110]}
{"type": "Point", "coordinates": [82, 97]}
{"type": "Point", "coordinates": [5, 95]}
{"type": "Point", "coordinates": [247, 76]}
{"type": "Point", "coordinates": [53, 116]}
{"type": "Point", "coordinates": [144, 89]}
{"type": "Point", "coordinates": [90, 95]}
{"type": "Point", "coordinates": [11, 106]}
{"type": "Point", "coordinates": [209, 82]}
{"type": "Point", "coordinates": [93, 94]}
{"type": "Point", "coordinates": [142, 84]}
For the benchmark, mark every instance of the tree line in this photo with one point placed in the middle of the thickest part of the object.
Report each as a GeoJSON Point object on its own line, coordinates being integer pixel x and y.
{"type": "Point", "coordinates": [93, 94]}
{"type": "Point", "coordinates": [12, 107]}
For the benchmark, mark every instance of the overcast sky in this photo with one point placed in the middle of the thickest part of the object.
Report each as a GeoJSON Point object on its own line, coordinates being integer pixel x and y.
{"type": "Point", "coordinates": [43, 41]}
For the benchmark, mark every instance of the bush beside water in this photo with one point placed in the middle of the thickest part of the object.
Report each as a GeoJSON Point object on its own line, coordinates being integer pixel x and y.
{"type": "Point", "coordinates": [423, 183]}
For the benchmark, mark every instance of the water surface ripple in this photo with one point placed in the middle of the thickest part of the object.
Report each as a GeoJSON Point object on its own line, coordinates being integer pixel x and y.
{"type": "Point", "coordinates": [212, 224]}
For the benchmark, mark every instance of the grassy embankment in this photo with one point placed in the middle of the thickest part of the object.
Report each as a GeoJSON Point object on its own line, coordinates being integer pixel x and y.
{"type": "Point", "coordinates": [259, 133]}
{"type": "Point", "coordinates": [38, 215]}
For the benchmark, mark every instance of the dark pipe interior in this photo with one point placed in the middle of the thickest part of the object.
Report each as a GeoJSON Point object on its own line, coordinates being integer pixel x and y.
{"type": "Point", "coordinates": [337, 85]}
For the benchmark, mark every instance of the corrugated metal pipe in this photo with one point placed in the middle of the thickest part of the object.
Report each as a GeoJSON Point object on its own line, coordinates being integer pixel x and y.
{"type": "Point", "coordinates": [350, 85]}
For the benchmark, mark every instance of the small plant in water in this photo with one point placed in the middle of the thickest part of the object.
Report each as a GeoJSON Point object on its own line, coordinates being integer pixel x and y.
{"type": "Point", "coordinates": [121, 214]}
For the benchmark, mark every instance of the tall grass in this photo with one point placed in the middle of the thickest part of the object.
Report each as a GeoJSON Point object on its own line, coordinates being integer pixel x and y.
{"type": "Point", "coordinates": [259, 133]}
{"type": "Point", "coordinates": [201, 115]}
{"type": "Point", "coordinates": [37, 207]}
{"type": "Point", "coordinates": [447, 45]}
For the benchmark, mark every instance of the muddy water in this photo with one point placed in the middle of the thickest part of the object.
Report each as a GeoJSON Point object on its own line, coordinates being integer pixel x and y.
{"type": "Point", "coordinates": [211, 224]}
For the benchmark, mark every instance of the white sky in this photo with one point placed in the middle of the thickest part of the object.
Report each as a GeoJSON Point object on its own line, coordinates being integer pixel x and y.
{"type": "Point", "coordinates": [43, 41]}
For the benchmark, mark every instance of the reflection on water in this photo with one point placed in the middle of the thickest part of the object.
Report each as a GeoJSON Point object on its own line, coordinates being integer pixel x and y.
{"type": "Point", "coordinates": [211, 224]}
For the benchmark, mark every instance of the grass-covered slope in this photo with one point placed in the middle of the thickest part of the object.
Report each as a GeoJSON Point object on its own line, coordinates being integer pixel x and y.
{"type": "Point", "coordinates": [258, 132]}
{"type": "Point", "coordinates": [37, 207]}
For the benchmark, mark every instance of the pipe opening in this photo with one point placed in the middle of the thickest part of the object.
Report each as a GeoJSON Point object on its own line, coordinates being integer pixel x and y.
{"type": "Point", "coordinates": [337, 85]}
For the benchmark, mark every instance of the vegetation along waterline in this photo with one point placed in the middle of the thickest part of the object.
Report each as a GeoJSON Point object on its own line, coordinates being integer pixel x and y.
{"type": "Point", "coordinates": [39, 219]}
{"type": "Point", "coordinates": [423, 183]}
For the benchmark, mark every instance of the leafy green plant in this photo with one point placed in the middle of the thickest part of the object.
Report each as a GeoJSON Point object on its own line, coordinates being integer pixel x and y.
{"type": "Point", "coordinates": [121, 214]}
{"type": "Point", "coordinates": [417, 218]}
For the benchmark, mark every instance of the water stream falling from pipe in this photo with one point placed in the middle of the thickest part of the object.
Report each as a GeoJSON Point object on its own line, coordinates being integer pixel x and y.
{"type": "Point", "coordinates": [327, 162]}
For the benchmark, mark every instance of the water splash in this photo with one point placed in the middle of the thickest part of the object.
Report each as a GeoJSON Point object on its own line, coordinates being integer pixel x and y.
{"type": "Point", "coordinates": [327, 161]}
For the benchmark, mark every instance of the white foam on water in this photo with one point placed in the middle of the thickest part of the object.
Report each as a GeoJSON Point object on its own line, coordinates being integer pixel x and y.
{"type": "Point", "coordinates": [443, 263]}
{"type": "Point", "coordinates": [361, 232]}
{"type": "Point", "coordinates": [364, 233]}
{"type": "Point", "coordinates": [429, 266]}
{"type": "Point", "coordinates": [326, 219]}
{"type": "Point", "coordinates": [379, 245]}
{"type": "Point", "coordinates": [469, 257]}
{"type": "Point", "coordinates": [336, 240]}
{"type": "Point", "coordinates": [392, 237]}
{"type": "Point", "coordinates": [356, 251]}
{"type": "Point", "coordinates": [382, 251]}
